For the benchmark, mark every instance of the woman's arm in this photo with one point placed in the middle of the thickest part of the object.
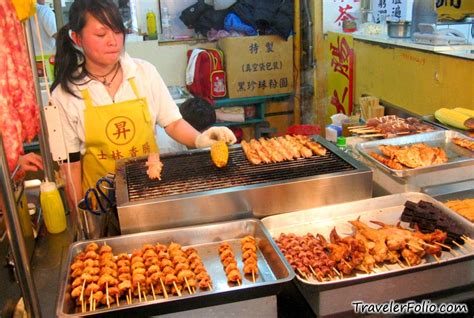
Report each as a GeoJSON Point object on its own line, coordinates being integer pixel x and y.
{"type": "Point", "coordinates": [181, 131]}
{"type": "Point", "coordinates": [73, 195]}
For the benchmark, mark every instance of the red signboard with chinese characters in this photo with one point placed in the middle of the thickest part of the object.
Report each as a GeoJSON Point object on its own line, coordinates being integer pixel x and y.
{"type": "Point", "coordinates": [340, 73]}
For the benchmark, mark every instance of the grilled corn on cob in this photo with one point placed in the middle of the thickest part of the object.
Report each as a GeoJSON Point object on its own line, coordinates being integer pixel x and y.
{"type": "Point", "coordinates": [465, 111]}
{"type": "Point", "coordinates": [220, 153]}
{"type": "Point", "coordinates": [454, 118]}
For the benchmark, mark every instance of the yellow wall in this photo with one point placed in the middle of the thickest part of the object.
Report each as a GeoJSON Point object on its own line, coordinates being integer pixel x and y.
{"type": "Point", "coordinates": [415, 80]}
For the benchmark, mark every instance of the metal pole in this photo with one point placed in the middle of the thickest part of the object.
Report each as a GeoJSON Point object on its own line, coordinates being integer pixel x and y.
{"type": "Point", "coordinates": [42, 136]}
{"type": "Point", "coordinates": [58, 11]}
{"type": "Point", "coordinates": [16, 240]}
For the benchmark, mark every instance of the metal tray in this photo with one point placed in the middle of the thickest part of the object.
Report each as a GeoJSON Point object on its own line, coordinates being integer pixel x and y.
{"type": "Point", "coordinates": [335, 296]}
{"type": "Point", "coordinates": [274, 270]}
{"type": "Point", "coordinates": [457, 156]}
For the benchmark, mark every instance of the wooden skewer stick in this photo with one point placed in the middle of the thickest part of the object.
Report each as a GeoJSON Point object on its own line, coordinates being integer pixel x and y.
{"type": "Point", "coordinates": [364, 269]}
{"type": "Point", "coordinates": [107, 294]}
{"type": "Point", "coordinates": [337, 272]}
{"type": "Point", "coordinates": [448, 248]}
{"type": "Point", "coordinates": [139, 293]}
{"type": "Point", "coordinates": [468, 239]}
{"type": "Point", "coordinates": [210, 287]}
{"type": "Point", "coordinates": [93, 304]}
{"type": "Point", "coordinates": [398, 260]}
{"type": "Point", "coordinates": [416, 247]}
{"type": "Point", "coordinates": [238, 282]}
{"type": "Point", "coordinates": [408, 262]}
{"type": "Point", "coordinates": [187, 285]}
{"type": "Point", "coordinates": [153, 292]}
{"type": "Point", "coordinates": [460, 246]}
{"type": "Point", "coordinates": [436, 258]}
{"type": "Point", "coordinates": [373, 135]}
{"type": "Point", "coordinates": [130, 296]}
{"type": "Point", "coordinates": [303, 274]}
{"type": "Point", "coordinates": [117, 300]}
{"type": "Point", "coordinates": [145, 296]}
{"type": "Point", "coordinates": [386, 267]}
{"type": "Point", "coordinates": [177, 290]}
{"type": "Point", "coordinates": [164, 289]}
{"type": "Point", "coordinates": [253, 276]}
{"type": "Point", "coordinates": [429, 245]}
{"type": "Point", "coordinates": [90, 300]}
{"type": "Point", "coordinates": [313, 271]}
{"type": "Point", "coordinates": [360, 126]}
{"type": "Point", "coordinates": [345, 262]}
{"type": "Point", "coordinates": [82, 296]}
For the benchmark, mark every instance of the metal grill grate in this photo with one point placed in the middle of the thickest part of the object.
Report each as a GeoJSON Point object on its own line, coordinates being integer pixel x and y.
{"type": "Point", "coordinates": [195, 172]}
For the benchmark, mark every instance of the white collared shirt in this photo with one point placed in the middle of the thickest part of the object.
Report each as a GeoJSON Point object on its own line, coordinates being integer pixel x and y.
{"type": "Point", "coordinates": [163, 109]}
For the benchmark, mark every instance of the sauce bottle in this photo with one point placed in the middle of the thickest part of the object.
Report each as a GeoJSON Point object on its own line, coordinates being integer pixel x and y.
{"type": "Point", "coordinates": [151, 25]}
{"type": "Point", "coordinates": [53, 208]}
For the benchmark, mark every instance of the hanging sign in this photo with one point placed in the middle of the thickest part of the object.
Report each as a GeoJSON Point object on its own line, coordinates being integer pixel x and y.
{"type": "Point", "coordinates": [454, 9]}
{"type": "Point", "coordinates": [335, 12]}
{"type": "Point", "coordinates": [394, 10]}
{"type": "Point", "coordinates": [341, 73]}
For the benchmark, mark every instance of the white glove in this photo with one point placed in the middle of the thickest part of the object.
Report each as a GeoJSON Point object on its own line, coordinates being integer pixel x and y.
{"type": "Point", "coordinates": [213, 134]}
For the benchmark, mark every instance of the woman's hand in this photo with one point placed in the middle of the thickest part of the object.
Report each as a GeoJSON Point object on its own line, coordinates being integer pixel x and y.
{"type": "Point", "coordinates": [213, 134]}
{"type": "Point", "coordinates": [31, 162]}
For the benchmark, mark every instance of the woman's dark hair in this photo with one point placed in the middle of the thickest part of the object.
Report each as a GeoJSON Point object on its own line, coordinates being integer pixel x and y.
{"type": "Point", "coordinates": [198, 113]}
{"type": "Point", "coordinates": [68, 59]}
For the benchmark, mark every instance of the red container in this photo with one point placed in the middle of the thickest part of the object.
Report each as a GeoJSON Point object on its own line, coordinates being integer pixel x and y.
{"type": "Point", "coordinates": [306, 130]}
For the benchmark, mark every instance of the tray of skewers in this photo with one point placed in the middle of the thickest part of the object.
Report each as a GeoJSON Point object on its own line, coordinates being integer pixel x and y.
{"type": "Point", "coordinates": [416, 154]}
{"type": "Point", "coordinates": [371, 239]}
{"type": "Point", "coordinates": [392, 126]}
{"type": "Point", "coordinates": [171, 270]}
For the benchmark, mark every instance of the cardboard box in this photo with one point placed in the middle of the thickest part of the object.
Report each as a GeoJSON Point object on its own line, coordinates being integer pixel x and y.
{"type": "Point", "coordinates": [258, 65]}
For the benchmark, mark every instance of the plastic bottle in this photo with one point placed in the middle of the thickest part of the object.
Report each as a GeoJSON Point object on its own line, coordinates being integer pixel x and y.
{"type": "Point", "coordinates": [151, 25]}
{"type": "Point", "coordinates": [53, 208]}
{"type": "Point", "coordinates": [341, 143]}
{"type": "Point", "coordinates": [166, 24]}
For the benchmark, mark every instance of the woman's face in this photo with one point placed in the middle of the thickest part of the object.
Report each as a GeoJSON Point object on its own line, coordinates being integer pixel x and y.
{"type": "Point", "coordinates": [102, 46]}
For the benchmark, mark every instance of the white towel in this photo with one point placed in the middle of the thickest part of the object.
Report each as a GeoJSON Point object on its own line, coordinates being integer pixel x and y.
{"type": "Point", "coordinates": [191, 67]}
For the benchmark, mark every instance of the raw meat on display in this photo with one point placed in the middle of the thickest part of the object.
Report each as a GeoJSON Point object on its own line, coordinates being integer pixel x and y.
{"type": "Point", "coordinates": [19, 114]}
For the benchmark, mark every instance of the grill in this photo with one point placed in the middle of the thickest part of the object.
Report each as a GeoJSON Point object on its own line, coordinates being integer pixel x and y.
{"type": "Point", "coordinates": [194, 172]}
{"type": "Point", "coordinates": [193, 191]}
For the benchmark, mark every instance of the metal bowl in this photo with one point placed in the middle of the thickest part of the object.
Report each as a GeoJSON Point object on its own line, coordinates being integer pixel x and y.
{"type": "Point", "coordinates": [398, 29]}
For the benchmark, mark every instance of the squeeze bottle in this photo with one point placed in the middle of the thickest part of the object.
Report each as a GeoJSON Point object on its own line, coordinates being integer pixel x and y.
{"type": "Point", "coordinates": [53, 208]}
{"type": "Point", "coordinates": [151, 25]}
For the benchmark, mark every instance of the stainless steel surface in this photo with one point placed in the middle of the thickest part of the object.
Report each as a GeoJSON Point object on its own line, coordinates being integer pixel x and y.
{"type": "Point", "coordinates": [398, 29]}
{"type": "Point", "coordinates": [240, 190]}
{"type": "Point", "coordinates": [328, 298]}
{"type": "Point", "coordinates": [273, 268]}
{"type": "Point", "coordinates": [15, 237]}
{"type": "Point", "coordinates": [457, 156]}
{"type": "Point", "coordinates": [457, 190]}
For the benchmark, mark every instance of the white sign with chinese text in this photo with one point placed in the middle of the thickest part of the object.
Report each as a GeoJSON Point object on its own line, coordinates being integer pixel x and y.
{"type": "Point", "coordinates": [392, 10]}
{"type": "Point", "coordinates": [337, 11]}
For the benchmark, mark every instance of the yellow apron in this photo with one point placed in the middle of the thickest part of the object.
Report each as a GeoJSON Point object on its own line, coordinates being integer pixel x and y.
{"type": "Point", "coordinates": [115, 131]}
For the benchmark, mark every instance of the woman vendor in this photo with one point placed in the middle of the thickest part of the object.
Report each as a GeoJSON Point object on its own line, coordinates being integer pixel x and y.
{"type": "Point", "coordinates": [110, 102]}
